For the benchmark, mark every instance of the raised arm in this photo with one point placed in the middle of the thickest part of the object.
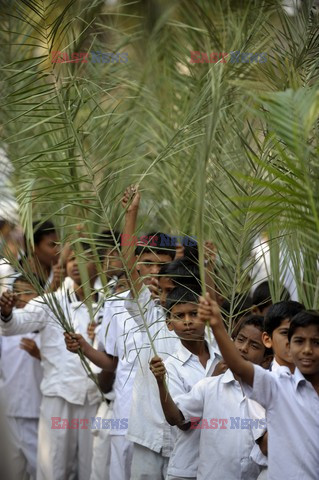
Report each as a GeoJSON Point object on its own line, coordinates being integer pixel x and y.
{"type": "Point", "coordinates": [75, 342]}
{"type": "Point", "coordinates": [130, 202]}
{"type": "Point", "coordinates": [208, 310]}
{"type": "Point", "coordinates": [172, 414]}
{"type": "Point", "coordinates": [34, 316]}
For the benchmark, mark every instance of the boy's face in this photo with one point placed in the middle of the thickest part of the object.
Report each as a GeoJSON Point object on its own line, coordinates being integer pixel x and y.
{"type": "Point", "coordinates": [149, 265]}
{"type": "Point", "coordinates": [250, 345]}
{"type": "Point", "coordinates": [304, 348]}
{"type": "Point", "coordinates": [113, 264]}
{"type": "Point", "coordinates": [72, 269]}
{"type": "Point", "coordinates": [25, 293]}
{"type": "Point", "coordinates": [184, 322]}
{"type": "Point", "coordinates": [166, 285]}
{"type": "Point", "coordinates": [47, 251]}
{"type": "Point", "coordinates": [278, 341]}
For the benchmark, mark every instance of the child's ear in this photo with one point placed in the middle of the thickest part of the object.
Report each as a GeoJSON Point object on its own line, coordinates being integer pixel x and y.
{"type": "Point", "coordinates": [255, 310]}
{"type": "Point", "coordinates": [266, 339]}
{"type": "Point", "coordinates": [169, 324]}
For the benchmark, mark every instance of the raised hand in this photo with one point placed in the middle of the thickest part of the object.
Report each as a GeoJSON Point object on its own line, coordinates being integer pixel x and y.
{"type": "Point", "coordinates": [208, 311]}
{"type": "Point", "coordinates": [153, 287]}
{"type": "Point", "coordinates": [131, 198]}
{"type": "Point", "coordinates": [58, 276]}
{"type": "Point", "coordinates": [158, 369]}
{"type": "Point", "coordinates": [7, 301]}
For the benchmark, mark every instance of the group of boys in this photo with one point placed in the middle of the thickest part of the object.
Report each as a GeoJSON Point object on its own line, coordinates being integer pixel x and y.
{"type": "Point", "coordinates": [182, 400]}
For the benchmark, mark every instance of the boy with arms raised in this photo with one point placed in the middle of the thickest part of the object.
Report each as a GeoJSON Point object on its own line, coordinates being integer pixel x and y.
{"type": "Point", "coordinates": [152, 436]}
{"type": "Point", "coordinates": [291, 401]}
{"type": "Point", "coordinates": [193, 360]}
{"type": "Point", "coordinates": [224, 450]}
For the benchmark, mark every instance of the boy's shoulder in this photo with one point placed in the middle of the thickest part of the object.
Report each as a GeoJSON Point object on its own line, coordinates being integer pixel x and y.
{"type": "Point", "coordinates": [213, 383]}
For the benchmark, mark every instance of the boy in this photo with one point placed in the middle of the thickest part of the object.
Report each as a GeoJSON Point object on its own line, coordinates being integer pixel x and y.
{"type": "Point", "coordinates": [291, 401]}
{"type": "Point", "coordinates": [226, 438]}
{"type": "Point", "coordinates": [275, 336]}
{"type": "Point", "coordinates": [117, 352]}
{"type": "Point", "coordinates": [262, 300]}
{"type": "Point", "coordinates": [43, 260]}
{"type": "Point", "coordinates": [151, 437]}
{"type": "Point", "coordinates": [68, 393]}
{"type": "Point", "coordinates": [193, 360]}
{"type": "Point", "coordinates": [20, 378]}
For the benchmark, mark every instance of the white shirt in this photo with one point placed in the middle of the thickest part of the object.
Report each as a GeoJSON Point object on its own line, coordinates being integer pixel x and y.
{"type": "Point", "coordinates": [223, 452]}
{"type": "Point", "coordinates": [20, 378]}
{"type": "Point", "coordinates": [153, 431]}
{"type": "Point", "coordinates": [261, 268]}
{"type": "Point", "coordinates": [123, 340]}
{"type": "Point", "coordinates": [256, 453]}
{"type": "Point", "coordinates": [292, 406]}
{"type": "Point", "coordinates": [63, 373]}
{"type": "Point", "coordinates": [184, 370]}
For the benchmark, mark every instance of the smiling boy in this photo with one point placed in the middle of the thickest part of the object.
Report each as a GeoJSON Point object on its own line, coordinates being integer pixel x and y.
{"type": "Point", "coordinates": [291, 401]}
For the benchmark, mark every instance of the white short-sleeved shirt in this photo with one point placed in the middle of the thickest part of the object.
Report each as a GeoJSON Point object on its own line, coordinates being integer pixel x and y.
{"type": "Point", "coordinates": [20, 378]}
{"type": "Point", "coordinates": [123, 339]}
{"type": "Point", "coordinates": [153, 432]}
{"type": "Point", "coordinates": [292, 407]}
{"type": "Point", "coordinates": [184, 370]}
{"type": "Point", "coordinates": [63, 373]}
{"type": "Point", "coordinates": [256, 453]}
{"type": "Point", "coordinates": [226, 439]}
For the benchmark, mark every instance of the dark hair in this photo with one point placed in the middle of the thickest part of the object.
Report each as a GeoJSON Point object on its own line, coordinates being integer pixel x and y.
{"type": "Point", "coordinates": [190, 249]}
{"type": "Point", "coordinates": [305, 318]}
{"type": "Point", "coordinates": [180, 295]}
{"type": "Point", "coordinates": [157, 242]}
{"type": "Point", "coordinates": [42, 229]}
{"type": "Point", "coordinates": [182, 272]}
{"type": "Point", "coordinates": [255, 320]}
{"type": "Point", "coordinates": [262, 295]}
{"type": "Point", "coordinates": [280, 311]}
{"type": "Point", "coordinates": [107, 239]}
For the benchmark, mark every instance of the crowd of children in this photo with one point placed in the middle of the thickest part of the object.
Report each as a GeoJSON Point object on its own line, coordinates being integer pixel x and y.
{"type": "Point", "coordinates": [133, 375]}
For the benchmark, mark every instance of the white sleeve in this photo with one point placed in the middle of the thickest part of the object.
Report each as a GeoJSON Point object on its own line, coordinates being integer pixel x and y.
{"type": "Point", "coordinates": [34, 316]}
{"type": "Point", "coordinates": [140, 305]}
{"type": "Point", "coordinates": [111, 338]}
{"type": "Point", "coordinates": [192, 404]}
{"type": "Point", "coordinates": [264, 389]}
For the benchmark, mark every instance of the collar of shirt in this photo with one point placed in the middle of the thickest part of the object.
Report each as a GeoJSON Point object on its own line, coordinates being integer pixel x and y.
{"type": "Point", "coordinates": [276, 367]}
{"type": "Point", "coordinates": [299, 378]}
{"type": "Point", "coordinates": [228, 377]}
{"type": "Point", "coordinates": [183, 354]}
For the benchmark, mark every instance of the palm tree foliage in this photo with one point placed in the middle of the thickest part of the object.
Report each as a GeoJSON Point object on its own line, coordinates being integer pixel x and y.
{"type": "Point", "coordinates": [223, 151]}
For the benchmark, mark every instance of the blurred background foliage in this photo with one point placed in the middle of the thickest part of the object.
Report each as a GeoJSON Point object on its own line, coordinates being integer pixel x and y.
{"type": "Point", "coordinates": [224, 151]}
